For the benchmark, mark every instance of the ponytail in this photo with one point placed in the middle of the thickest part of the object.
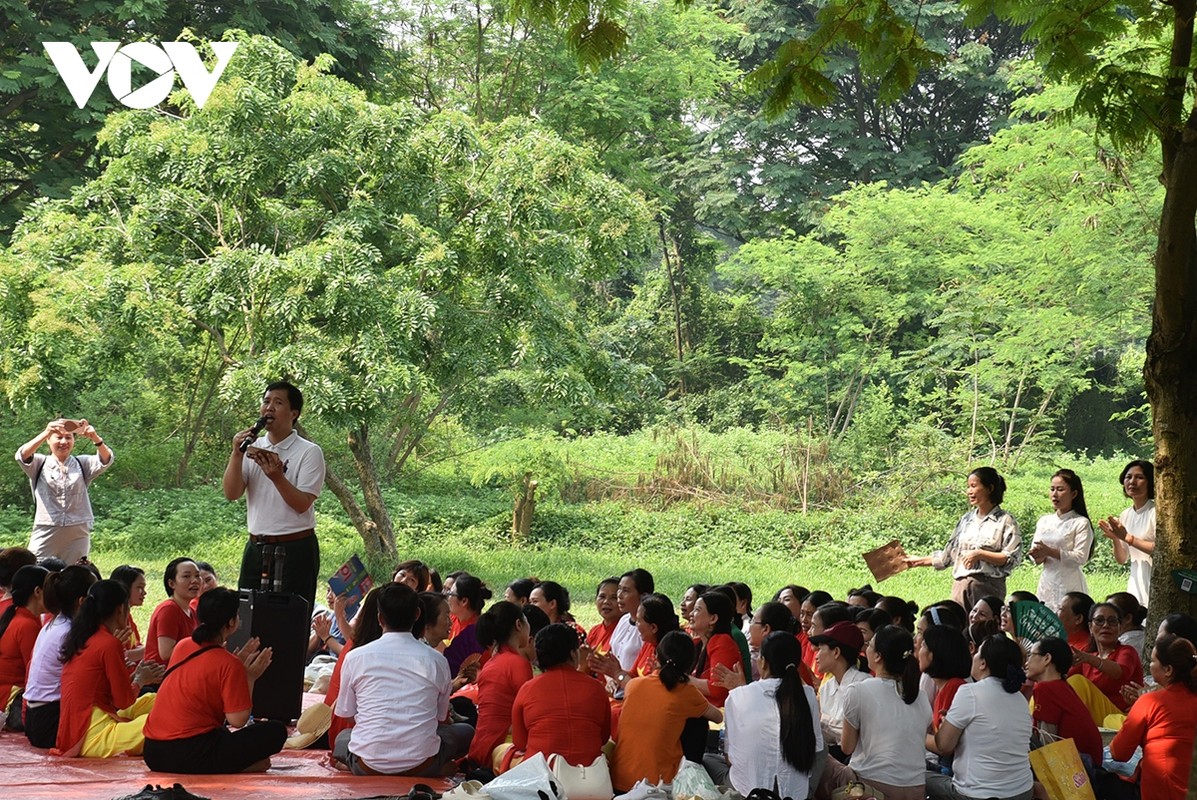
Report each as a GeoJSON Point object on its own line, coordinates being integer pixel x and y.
{"type": "Point", "coordinates": [62, 591]}
{"type": "Point", "coordinates": [783, 653]}
{"type": "Point", "coordinates": [497, 624]}
{"type": "Point", "coordinates": [27, 580]}
{"type": "Point", "coordinates": [895, 647]}
{"type": "Point", "coordinates": [216, 609]}
{"type": "Point", "coordinates": [1003, 658]}
{"type": "Point", "coordinates": [104, 599]}
{"type": "Point", "coordinates": [1179, 654]}
{"type": "Point", "coordinates": [675, 655]}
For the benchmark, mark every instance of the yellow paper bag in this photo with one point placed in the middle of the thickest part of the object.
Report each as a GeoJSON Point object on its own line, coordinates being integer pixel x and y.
{"type": "Point", "coordinates": [1058, 767]}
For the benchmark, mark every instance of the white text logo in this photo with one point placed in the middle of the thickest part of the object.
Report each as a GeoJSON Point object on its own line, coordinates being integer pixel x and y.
{"type": "Point", "coordinates": [117, 61]}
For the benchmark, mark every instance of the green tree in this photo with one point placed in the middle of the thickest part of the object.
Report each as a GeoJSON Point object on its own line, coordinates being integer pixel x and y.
{"type": "Point", "coordinates": [1134, 64]}
{"type": "Point", "coordinates": [381, 258]}
{"type": "Point", "coordinates": [47, 143]}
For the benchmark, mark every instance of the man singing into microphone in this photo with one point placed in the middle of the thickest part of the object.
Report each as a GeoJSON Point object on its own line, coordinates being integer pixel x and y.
{"type": "Point", "coordinates": [281, 475]}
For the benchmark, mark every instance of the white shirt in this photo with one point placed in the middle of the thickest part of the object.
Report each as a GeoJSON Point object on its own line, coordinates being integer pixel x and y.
{"type": "Point", "coordinates": [626, 642]}
{"type": "Point", "coordinates": [1141, 525]}
{"type": "Point", "coordinates": [753, 727]}
{"type": "Point", "coordinates": [267, 513]}
{"type": "Point", "coordinates": [991, 759]}
{"type": "Point", "coordinates": [397, 691]}
{"type": "Point", "coordinates": [1072, 535]}
{"type": "Point", "coordinates": [831, 703]}
{"type": "Point", "coordinates": [44, 683]}
{"type": "Point", "coordinates": [892, 732]}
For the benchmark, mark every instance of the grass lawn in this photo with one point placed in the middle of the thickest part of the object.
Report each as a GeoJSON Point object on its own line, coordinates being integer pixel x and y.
{"type": "Point", "coordinates": [574, 545]}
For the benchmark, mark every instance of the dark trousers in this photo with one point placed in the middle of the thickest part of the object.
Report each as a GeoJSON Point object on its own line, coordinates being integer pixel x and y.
{"type": "Point", "coordinates": [219, 751]}
{"type": "Point", "coordinates": [41, 725]}
{"type": "Point", "coordinates": [301, 566]}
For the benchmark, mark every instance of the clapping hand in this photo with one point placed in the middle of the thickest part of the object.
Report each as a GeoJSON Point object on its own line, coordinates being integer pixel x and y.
{"type": "Point", "coordinates": [1112, 528]}
{"type": "Point", "coordinates": [247, 649]}
{"type": "Point", "coordinates": [149, 673]}
{"type": "Point", "coordinates": [257, 662]}
{"type": "Point", "coordinates": [726, 678]}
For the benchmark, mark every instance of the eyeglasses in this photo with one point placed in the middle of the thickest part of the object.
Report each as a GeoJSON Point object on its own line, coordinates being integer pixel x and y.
{"type": "Point", "coordinates": [1099, 621]}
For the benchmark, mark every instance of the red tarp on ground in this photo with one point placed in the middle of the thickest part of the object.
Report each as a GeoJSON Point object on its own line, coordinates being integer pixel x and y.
{"type": "Point", "coordinates": [31, 773]}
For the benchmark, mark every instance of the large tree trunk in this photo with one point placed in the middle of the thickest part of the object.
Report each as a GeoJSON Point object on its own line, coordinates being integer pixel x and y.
{"type": "Point", "coordinates": [1171, 369]}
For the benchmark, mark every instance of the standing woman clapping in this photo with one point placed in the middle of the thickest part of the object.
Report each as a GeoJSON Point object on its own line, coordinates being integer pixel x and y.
{"type": "Point", "coordinates": [1133, 531]}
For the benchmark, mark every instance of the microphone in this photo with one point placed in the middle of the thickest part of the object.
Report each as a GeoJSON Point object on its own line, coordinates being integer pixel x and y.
{"type": "Point", "coordinates": [254, 430]}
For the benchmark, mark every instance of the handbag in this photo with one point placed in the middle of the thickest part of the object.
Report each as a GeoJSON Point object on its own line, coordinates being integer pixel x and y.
{"type": "Point", "coordinates": [1058, 767]}
{"type": "Point", "coordinates": [588, 782]}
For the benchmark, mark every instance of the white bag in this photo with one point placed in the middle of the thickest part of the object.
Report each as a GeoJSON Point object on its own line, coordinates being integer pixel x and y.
{"type": "Point", "coordinates": [531, 779]}
{"type": "Point", "coordinates": [590, 782]}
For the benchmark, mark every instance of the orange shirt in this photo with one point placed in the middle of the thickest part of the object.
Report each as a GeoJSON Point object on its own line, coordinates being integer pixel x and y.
{"type": "Point", "coordinates": [95, 677]}
{"type": "Point", "coordinates": [168, 620]}
{"type": "Point", "coordinates": [16, 649]}
{"type": "Point", "coordinates": [721, 649]}
{"type": "Point", "coordinates": [1164, 723]}
{"type": "Point", "coordinates": [195, 698]}
{"type": "Point", "coordinates": [649, 746]}
{"type": "Point", "coordinates": [561, 711]}
{"type": "Point", "coordinates": [498, 681]}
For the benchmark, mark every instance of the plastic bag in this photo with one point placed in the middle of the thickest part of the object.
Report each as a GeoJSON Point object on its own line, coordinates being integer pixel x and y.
{"type": "Point", "coordinates": [693, 781]}
{"type": "Point", "coordinates": [531, 779]}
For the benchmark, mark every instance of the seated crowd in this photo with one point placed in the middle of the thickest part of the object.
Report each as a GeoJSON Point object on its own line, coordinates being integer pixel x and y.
{"type": "Point", "coordinates": [428, 678]}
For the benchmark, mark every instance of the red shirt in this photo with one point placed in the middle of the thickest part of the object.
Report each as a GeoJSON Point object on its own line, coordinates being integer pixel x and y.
{"type": "Point", "coordinates": [134, 633]}
{"type": "Point", "coordinates": [806, 668]}
{"type": "Point", "coordinates": [498, 682]}
{"type": "Point", "coordinates": [943, 701]}
{"type": "Point", "coordinates": [95, 677]}
{"type": "Point", "coordinates": [16, 649]}
{"type": "Point", "coordinates": [562, 711]}
{"type": "Point", "coordinates": [195, 698]}
{"type": "Point", "coordinates": [1057, 703]}
{"type": "Point", "coordinates": [1164, 723]}
{"type": "Point", "coordinates": [1132, 672]}
{"type": "Point", "coordinates": [646, 662]}
{"type": "Point", "coordinates": [168, 620]}
{"type": "Point", "coordinates": [599, 637]}
{"type": "Point", "coordinates": [720, 649]}
{"type": "Point", "coordinates": [338, 724]}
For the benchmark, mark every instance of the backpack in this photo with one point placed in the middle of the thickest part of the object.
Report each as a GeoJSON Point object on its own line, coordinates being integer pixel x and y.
{"type": "Point", "coordinates": [37, 474]}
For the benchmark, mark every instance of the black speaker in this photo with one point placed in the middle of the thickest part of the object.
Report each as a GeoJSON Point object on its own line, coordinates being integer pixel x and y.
{"type": "Point", "coordinates": [282, 621]}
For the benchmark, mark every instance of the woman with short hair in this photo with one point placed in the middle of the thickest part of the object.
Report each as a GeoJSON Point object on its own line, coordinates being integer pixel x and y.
{"type": "Point", "coordinates": [562, 710]}
{"type": "Point", "coordinates": [205, 687]}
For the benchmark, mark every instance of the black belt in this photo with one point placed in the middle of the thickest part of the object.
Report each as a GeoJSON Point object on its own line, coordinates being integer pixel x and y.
{"type": "Point", "coordinates": [284, 538]}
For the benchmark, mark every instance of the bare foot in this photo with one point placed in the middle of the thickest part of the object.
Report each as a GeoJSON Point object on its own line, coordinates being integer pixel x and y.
{"type": "Point", "coordinates": [258, 766]}
{"type": "Point", "coordinates": [336, 763]}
